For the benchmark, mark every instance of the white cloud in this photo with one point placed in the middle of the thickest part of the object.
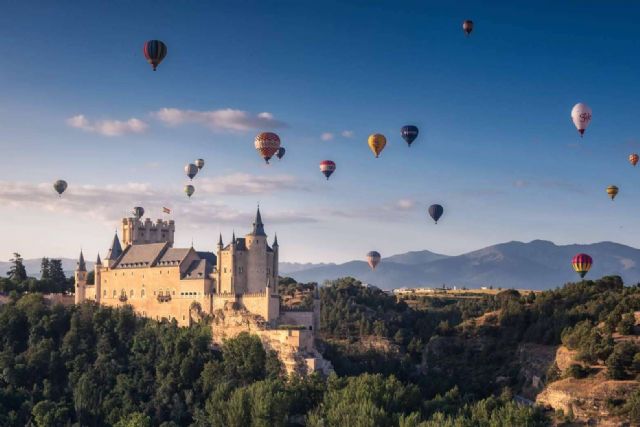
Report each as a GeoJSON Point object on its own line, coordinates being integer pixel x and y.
{"type": "Point", "coordinates": [327, 136]}
{"type": "Point", "coordinates": [108, 127]}
{"type": "Point", "coordinates": [347, 133]}
{"type": "Point", "coordinates": [405, 204]}
{"type": "Point", "coordinates": [244, 183]}
{"type": "Point", "coordinates": [226, 119]}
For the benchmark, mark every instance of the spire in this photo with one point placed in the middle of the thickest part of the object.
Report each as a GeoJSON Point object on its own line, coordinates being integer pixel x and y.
{"type": "Point", "coordinates": [258, 226]}
{"type": "Point", "coordinates": [220, 241]}
{"type": "Point", "coordinates": [233, 238]}
{"type": "Point", "coordinates": [275, 241]}
{"type": "Point", "coordinates": [98, 261]}
{"type": "Point", "coordinates": [81, 265]}
{"type": "Point", "coordinates": [115, 250]}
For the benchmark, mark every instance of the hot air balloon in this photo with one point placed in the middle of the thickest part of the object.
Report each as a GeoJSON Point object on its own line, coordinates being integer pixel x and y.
{"type": "Point", "coordinates": [612, 191]}
{"type": "Point", "coordinates": [581, 116]}
{"type": "Point", "coordinates": [267, 144]}
{"type": "Point", "coordinates": [60, 186]}
{"type": "Point", "coordinates": [280, 153]}
{"type": "Point", "coordinates": [633, 159]}
{"type": "Point", "coordinates": [467, 26]}
{"type": "Point", "coordinates": [409, 133]}
{"type": "Point", "coordinates": [376, 143]}
{"type": "Point", "coordinates": [199, 163]}
{"type": "Point", "coordinates": [138, 212]}
{"type": "Point", "coordinates": [191, 170]}
{"type": "Point", "coordinates": [436, 212]}
{"type": "Point", "coordinates": [189, 190]}
{"type": "Point", "coordinates": [154, 51]}
{"type": "Point", "coordinates": [582, 263]}
{"type": "Point", "coordinates": [373, 258]}
{"type": "Point", "coordinates": [327, 167]}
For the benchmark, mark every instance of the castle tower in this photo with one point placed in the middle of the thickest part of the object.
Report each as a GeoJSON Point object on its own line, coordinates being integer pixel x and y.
{"type": "Point", "coordinates": [113, 253]}
{"type": "Point", "coordinates": [316, 310]}
{"type": "Point", "coordinates": [136, 231]}
{"type": "Point", "coordinates": [81, 280]}
{"type": "Point", "coordinates": [274, 265]}
{"type": "Point", "coordinates": [258, 268]}
{"type": "Point", "coordinates": [97, 279]}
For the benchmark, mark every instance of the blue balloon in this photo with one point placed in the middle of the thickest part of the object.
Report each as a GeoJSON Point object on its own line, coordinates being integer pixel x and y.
{"type": "Point", "coordinates": [409, 133]}
{"type": "Point", "coordinates": [436, 212]}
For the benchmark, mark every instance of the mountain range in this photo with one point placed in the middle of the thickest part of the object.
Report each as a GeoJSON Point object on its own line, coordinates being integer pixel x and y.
{"type": "Point", "coordinates": [538, 264]}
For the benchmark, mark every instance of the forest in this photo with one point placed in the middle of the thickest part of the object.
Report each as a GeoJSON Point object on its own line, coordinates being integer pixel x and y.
{"type": "Point", "coordinates": [99, 366]}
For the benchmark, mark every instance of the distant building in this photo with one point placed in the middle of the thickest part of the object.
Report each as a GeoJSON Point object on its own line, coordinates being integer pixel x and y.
{"type": "Point", "coordinates": [236, 287]}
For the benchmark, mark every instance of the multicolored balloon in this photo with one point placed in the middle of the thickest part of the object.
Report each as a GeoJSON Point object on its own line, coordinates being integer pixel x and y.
{"type": "Point", "coordinates": [376, 143]}
{"type": "Point", "coordinates": [373, 259]}
{"type": "Point", "coordinates": [581, 264]}
{"type": "Point", "coordinates": [60, 186]}
{"type": "Point", "coordinates": [154, 51]}
{"type": "Point", "coordinates": [581, 116]}
{"type": "Point", "coordinates": [612, 191]}
{"type": "Point", "coordinates": [409, 133]}
{"type": "Point", "coordinates": [436, 212]}
{"type": "Point", "coordinates": [633, 159]}
{"type": "Point", "coordinates": [467, 26]}
{"type": "Point", "coordinates": [191, 170]}
{"type": "Point", "coordinates": [138, 212]}
{"type": "Point", "coordinates": [280, 153]}
{"type": "Point", "coordinates": [199, 163]}
{"type": "Point", "coordinates": [189, 190]}
{"type": "Point", "coordinates": [327, 167]}
{"type": "Point", "coordinates": [267, 144]}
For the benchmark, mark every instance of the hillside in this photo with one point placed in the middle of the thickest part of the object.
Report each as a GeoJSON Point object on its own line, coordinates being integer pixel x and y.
{"type": "Point", "coordinates": [534, 265]}
{"type": "Point", "coordinates": [33, 266]}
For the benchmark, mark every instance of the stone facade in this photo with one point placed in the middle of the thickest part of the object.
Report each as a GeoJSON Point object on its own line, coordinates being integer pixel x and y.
{"type": "Point", "coordinates": [236, 287]}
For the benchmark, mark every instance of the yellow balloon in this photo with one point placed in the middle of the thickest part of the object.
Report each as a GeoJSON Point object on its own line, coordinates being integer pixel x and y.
{"type": "Point", "coordinates": [377, 142]}
{"type": "Point", "coordinates": [612, 191]}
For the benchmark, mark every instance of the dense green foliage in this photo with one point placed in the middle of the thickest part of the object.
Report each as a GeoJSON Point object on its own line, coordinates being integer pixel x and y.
{"type": "Point", "coordinates": [52, 278]}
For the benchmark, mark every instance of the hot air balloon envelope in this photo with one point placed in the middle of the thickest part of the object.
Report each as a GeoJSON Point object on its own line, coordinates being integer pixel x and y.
{"type": "Point", "coordinates": [199, 163]}
{"type": "Point", "coordinates": [138, 212]}
{"type": "Point", "coordinates": [373, 259]}
{"type": "Point", "coordinates": [60, 186]}
{"type": "Point", "coordinates": [467, 26]}
{"type": "Point", "coordinates": [581, 116]}
{"type": "Point", "coordinates": [189, 190]}
{"type": "Point", "coordinates": [376, 143]}
{"type": "Point", "coordinates": [612, 191]}
{"type": "Point", "coordinates": [154, 51]}
{"type": "Point", "coordinates": [280, 153]}
{"type": "Point", "coordinates": [267, 144]}
{"type": "Point", "coordinates": [327, 167]}
{"type": "Point", "coordinates": [409, 133]}
{"type": "Point", "coordinates": [633, 159]}
{"type": "Point", "coordinates": [582, 263]}
{"type": "Point", "coordinates": [191, 170]}
{"type": "Point", "coordinates": [436, 212]}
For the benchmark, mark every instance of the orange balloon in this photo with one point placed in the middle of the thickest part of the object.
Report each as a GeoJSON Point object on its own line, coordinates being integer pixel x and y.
{"type": "Point", "coordinates": [267, 144]}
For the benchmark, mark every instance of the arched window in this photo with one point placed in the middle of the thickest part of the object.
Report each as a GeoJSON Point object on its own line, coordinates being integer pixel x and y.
{"type": "Point", "coordinates": [142, 293]}
{"type": "Point", "coordinates": [131, 293]}
{"type": "Point", "coordinates": [114, 293]}
{"type": "Point", "coordinates": [104, 293]}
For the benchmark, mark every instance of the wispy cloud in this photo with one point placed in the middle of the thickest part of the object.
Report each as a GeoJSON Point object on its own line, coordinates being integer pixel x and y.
{"type": "Point", "coordinates": [227, 119]}
{"type": "Point", "coordinates": [347, 133]}
{"type": "Point", "coordinates": [244, 183]}
{"type": "Point", "coordinates": [327, 136]}
{"type": "Point", "coordinates": [109, 203]}
{"type": "Point", "coordinates": [108, 127]}
{"type": "Point", "coordinates": [396, 210]}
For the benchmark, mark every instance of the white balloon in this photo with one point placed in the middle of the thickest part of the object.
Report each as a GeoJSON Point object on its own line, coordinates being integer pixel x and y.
{"type": "Point", "coordinates": [581, 116]}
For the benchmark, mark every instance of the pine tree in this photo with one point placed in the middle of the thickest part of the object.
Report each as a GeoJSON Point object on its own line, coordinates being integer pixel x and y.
{"type": "Point", "coordinates": [17, 272]}
{"type": "Point", "coordinates": [44, 269]}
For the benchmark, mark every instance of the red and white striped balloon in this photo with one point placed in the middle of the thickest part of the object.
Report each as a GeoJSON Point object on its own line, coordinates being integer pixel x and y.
{"type": "Point", "coordinates": [327, 167]}
{"type": "Point", "coordinates": [267, 144]}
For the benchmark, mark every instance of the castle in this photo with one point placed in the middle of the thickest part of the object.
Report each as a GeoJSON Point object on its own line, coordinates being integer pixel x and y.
{"type": "Point", "coordinates": [236, 288]}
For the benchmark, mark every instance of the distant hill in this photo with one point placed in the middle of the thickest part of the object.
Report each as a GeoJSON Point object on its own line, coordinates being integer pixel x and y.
{"type": "Point", "coordinates": [535, 265]}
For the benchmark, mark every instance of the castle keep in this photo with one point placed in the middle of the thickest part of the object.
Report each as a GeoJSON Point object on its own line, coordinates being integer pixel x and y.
{"type": "Point", "coordinates": [236, 287]}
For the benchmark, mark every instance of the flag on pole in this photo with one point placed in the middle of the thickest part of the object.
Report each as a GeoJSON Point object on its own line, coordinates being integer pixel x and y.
{"type": "Point", "coordinates": [166, 210]}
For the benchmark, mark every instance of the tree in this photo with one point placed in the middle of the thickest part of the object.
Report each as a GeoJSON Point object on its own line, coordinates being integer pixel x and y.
{"type": "Point", "coordinates": [44, 269]}
{"type": "Point", "coordinates": [17, 272]}
{"type": "Point", "coordinates": [56, 274]}
{"type": "Point", "coordinates": [135, 419]}
{"type": "Point", "coordinates": [626, 324]}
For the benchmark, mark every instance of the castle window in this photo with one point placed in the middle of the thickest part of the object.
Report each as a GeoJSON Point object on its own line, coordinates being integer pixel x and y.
{"type": "Point", "coordinates": [104, 293]}
{"type": "Point", "coordinates": [131, 293]}
{"type": "Point", "coordinates": [225, 269]}
{"type": "Point", "coordinates": [142, 293]}
{"type": "Point", "coordinates": [114, 293]}
{"type": "Point", "coordinates": [174, 292]}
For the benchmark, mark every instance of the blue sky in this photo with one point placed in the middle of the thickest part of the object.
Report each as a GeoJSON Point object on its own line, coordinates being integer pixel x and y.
{"type": "Point", "coordinates": [497, 146]}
